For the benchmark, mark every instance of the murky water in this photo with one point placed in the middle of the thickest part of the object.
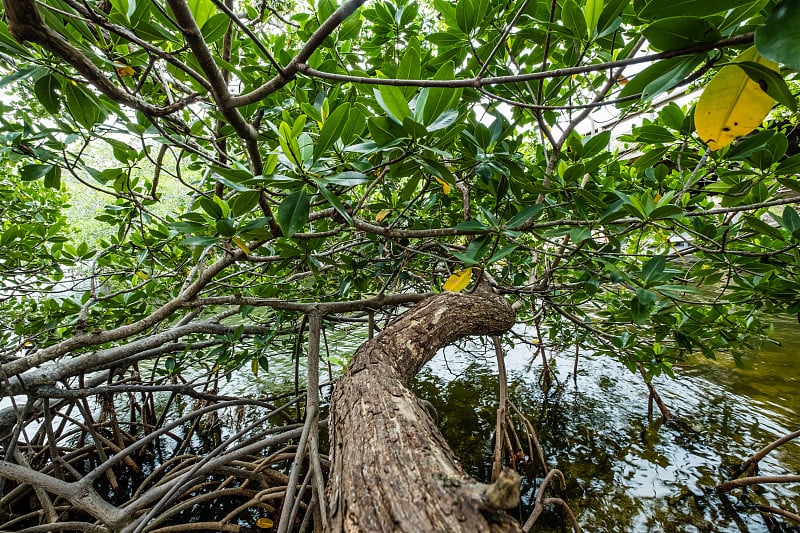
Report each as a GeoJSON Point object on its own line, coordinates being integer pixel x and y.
{"type": "Point", "coordinates": [625, 470]}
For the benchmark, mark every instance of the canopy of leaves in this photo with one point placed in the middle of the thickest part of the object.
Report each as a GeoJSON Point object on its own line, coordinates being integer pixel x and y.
{"type": "Point", "coordinates": [324, 155]}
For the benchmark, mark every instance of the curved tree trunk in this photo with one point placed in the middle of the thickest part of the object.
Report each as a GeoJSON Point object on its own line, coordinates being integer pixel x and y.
{"type": "Point", "coordinates": [391, 468]}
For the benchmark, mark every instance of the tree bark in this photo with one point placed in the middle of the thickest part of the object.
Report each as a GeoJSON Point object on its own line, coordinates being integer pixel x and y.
{"type": "Point", "coordinates": [391, 468]}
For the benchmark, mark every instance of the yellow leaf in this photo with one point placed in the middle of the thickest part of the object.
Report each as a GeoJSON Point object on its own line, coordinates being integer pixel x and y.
{"type": "Point", "coordinates": [444, 184]}
{"type": "Point", "coordinates": [254, 368]}
{"type": "Point", "coordinates": [732, 105]}
{"type": "Point", "coordinates": [382, 214]}
{"type": "Point", "coordinates": [241, 244]}
{"type": "Point", "coordinates": [458, 281]}
{"type": "Point", "coordinates": [142, 275]}
{"type": "Point", "coordinates": [264, 523]}
{"type": "Point", "coordinates": [124, 70]}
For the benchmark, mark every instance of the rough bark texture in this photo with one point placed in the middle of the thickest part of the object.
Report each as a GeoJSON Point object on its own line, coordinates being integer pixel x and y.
{"type": "Point", "coordinates": [391, 468]}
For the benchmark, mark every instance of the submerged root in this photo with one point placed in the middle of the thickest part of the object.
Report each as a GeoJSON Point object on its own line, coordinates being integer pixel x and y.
{"type": "Point", "coordinates": [750, 466]}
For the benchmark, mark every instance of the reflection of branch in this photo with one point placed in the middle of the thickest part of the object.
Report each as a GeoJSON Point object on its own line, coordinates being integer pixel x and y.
{"type": "Point", "coordinates": [778, 511]}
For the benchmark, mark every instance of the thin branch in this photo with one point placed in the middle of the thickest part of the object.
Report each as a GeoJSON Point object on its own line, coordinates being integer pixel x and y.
{"type": "Point", "coordinates": [477, 83]}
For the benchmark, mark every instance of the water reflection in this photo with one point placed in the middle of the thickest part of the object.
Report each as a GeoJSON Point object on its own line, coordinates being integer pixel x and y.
{"type": "Point", "coordinates": [625, 471]}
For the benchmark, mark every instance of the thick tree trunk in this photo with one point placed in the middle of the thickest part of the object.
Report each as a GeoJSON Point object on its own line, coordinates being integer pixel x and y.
{"type": "Point", "coordinates": [391, 468]}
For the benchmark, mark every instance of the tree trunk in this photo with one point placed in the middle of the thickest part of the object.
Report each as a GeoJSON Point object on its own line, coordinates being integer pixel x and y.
{"type": "Point", "coordinates": [391, 468]}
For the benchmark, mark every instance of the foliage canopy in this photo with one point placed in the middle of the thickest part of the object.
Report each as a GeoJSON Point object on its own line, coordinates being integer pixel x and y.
{"type": "Point", "coordinates": [337, 159]}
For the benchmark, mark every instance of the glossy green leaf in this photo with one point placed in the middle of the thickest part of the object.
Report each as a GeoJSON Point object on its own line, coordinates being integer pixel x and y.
{"type": "Point", "coordinates": [392, 100]}
{"type": "Point", "coordinates": [445, 120]}
{"type": "Point", "coordinates": [470, 14]}
{"type": "Point", "coordinates": [790, 218]}
{"type": "Point", "coordinates": [215, 27]}
{"type": "Point", "coordinates": [656, 9]}
{"type": "Point", "coordinates": [384, 131]}
{"type": "Point", "coordinates": [349, 178]}
{"type": "Point", "coordinates": [202, 10]}
{"type": "Point", "coordinates": [591, 12]}
{"type": "Point", "coordinates": [199, 240]}
{"type": "Point", "coordinates": [410, 67]}
{"type": "Point", "coordinates": [573, 18]}
{"type": "Point", "coordinates": [53, 178]}
{"type": "Point", "coordinates": [293, 212]}
{"type": "Point", "coordinates": [790, 165]}
{"type": "Point", "coordinates": [46, 89]}
{"type": "Point", "coordinates": [244, 202]}
{"type": "Point", "coordinates": [524, 215]}
{"type": "Point", "coordinates": [653, 73]}
{"type": "Point", "coordinates": [335, 202]}
{"type": "Point", "coordinates": [779, 38]}
{"type": "Point", "coordinates": [82, 105]}
{"type": "Point", "coordinates": [438, 99]}
{"type": "Point", "coordinates": [680, 32]}
{"type": "Point", "coordinates": [34, 172]}
{"type": "Point", "coordinates": [596, 143]}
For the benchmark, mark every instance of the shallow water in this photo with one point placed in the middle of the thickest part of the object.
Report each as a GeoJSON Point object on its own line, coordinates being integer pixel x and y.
{"type": "Point", "coordinates": [625, 470]}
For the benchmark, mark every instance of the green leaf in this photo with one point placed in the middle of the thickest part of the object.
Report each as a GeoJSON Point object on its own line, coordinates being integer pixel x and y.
{"type": "Point", "coordinates": [53, 178]}
{"type": "Point", "coordinates": [215, 27]}
{"type": "Point", "coordinates": [293, 212]}
{"type": "Point", "coordinates": [666, 211]}
{"type": "Point", "coordinates": [771, 82]}
{"type": "Point", "coordinates": [639, 311]}
{"type": "Point", "coordinates": [680, 32]}
{"type": "Point", "coordinates": [201, 10]}
{"type": "Point", "coordinates": [438, 99]}
{"type": "Point", "coordinates": [591, 12]}
{"type": "Point", "coordinates": [779, 38]}
{"type": "Point", "coordinates": [573, 18]}
{"type": "Point", "coordinates": [21, 74]}
{"type": "Point", "coordinates": [231, 184]}
{"type": "Point", "coordinates": [225, 227]}
{"type": "Point", "coordinates": [446, 119]}
{"type": "Point", "coordinates": [653, 268]}
{"type": "Point", "coordinates": [471, 225]}
{"type": "Point", "coordinates": [410, 67]}
{"type": "Point", "coordinates": [652, 73]}
{"type": "Point", "coordinates": [349, 178]}
{"type": "Point", "coordinates": [46, 90]}
{"type": "Point", "coordinates": [524, 215]}
{"type": "Point", "coordinates": [34, 172]}
{"type": "Point", "coordinates": [502, 253]}
{"type": "Point", "coordinates": [790, 165]}
{"type": "Point", "coordinates": [392, 100]}
{"type": "Point", "coordinates": [791, 220]}
{"type": "Point", "coordinates": [334, 201]}
{"type": "Point", "coordinates": [332, 129]}
{"type": "Point", "coordinates": [243, 202]}
{"type": "Point", "coordinates": [199, 240]}
{"type": "Point", "coordinates": [595, 144]}
{"type": "Point", "coordinates": [672, 78]}
{"type": "Point", "coordinates": [470, 14]}
{"type": "Point", "coordinates": [384, 131]}
{"type": "Point", "coordinates": [82, 105]}
{"type": "Point", "coordinates": [659, 9]}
